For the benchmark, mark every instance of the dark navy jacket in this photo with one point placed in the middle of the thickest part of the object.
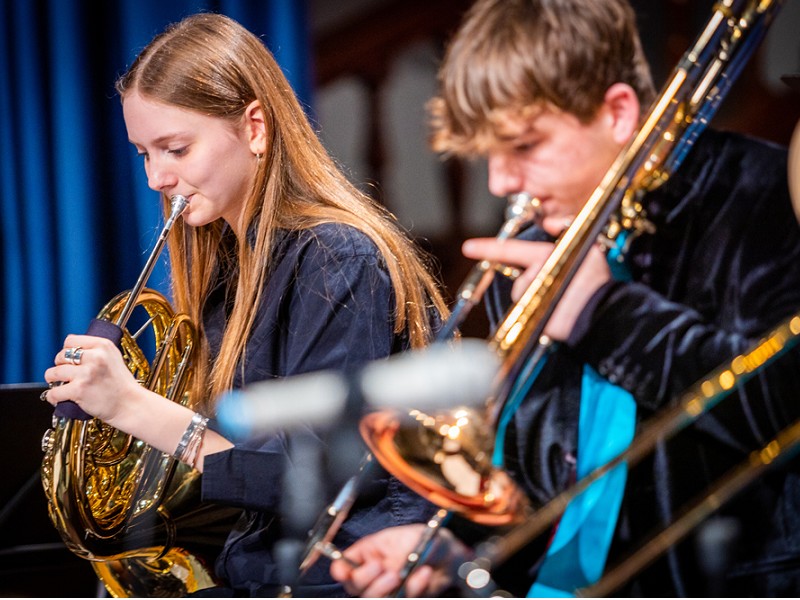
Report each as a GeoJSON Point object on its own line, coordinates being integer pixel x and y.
{"type": "Point", "coordinates": [722, 269]}
{"type": "Point", "coordinates": [328, 305]}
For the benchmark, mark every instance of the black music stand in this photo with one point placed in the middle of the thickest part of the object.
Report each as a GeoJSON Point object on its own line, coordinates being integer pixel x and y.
{"type": "Point", "coordinates": [34, 562]}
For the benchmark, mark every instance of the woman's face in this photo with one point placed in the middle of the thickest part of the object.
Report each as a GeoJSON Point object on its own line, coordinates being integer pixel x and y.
{"type": "Point", "coordinates": [206, 159]}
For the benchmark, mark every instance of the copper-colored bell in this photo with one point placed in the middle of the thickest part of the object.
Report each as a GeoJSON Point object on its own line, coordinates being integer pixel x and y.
{"type": "Point", "coordinates": [446, 458]}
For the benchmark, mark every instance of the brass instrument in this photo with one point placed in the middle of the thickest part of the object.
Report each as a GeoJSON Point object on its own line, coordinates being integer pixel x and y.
{"type": "Point", "coordinates": [521, 210]}
{"type": "Point", "coordinates": [695, 402]}
{"type": "Point", "coordinates": [436, 455]}
{"type": "Point", "coordinates": [119, 503]}
{"type": "Point", "coordinates": [449, 447]}
{"type": "Point", "coordinates": [783, 446]}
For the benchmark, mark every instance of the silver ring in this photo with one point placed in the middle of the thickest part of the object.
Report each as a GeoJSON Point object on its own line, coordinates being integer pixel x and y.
{"type": "Point", "coordinates": [73, 355]}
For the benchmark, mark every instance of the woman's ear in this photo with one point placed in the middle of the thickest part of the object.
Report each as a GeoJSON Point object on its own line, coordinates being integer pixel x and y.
{"type": "Point", "coordinates": [623, 108]}
{"type": "Point", "coordinates": [256, 128]}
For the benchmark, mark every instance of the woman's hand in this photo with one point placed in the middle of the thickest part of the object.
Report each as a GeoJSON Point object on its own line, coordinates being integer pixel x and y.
{"type": "Point", "coordinates": [99, 381]}
{"type": "Point", "coordinates": [102, 385]}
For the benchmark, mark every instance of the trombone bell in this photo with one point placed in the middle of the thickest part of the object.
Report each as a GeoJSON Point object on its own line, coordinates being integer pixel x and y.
{"type": "Point", "coordinates": [443, 458]}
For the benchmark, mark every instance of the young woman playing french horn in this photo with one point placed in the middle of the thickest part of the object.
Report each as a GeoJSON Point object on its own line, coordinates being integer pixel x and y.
{"type": "Point", "coordinates": [283, 265]}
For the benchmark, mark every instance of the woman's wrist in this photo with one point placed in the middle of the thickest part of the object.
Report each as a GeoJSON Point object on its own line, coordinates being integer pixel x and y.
{"type": "Point", "coordinates": [188, 448]}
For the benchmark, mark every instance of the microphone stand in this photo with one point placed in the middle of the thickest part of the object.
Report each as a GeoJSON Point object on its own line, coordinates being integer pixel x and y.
{"type": "Point", "coordinates": [318, 462]}
{"type": "Point", "coordinates": [302, 488]}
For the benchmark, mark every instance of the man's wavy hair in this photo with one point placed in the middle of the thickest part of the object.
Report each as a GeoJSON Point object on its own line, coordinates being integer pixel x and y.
{"type": "Point", "coordinates": [518, 56]}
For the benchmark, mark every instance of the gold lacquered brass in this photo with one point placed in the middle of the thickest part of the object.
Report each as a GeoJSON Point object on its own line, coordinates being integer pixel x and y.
{"type": "Point", "coordinates": [133, 511]}
{"type": "Point", "coordinates": [684, 106]}
{"type": "Point", "coordinates": [379, 429]}
{"type": "Point", "coordinates": [416, 450]}
{"type": "Point", "coordinates": [446, 457]}
{"type": "Point", "coordinates": [123, 505]}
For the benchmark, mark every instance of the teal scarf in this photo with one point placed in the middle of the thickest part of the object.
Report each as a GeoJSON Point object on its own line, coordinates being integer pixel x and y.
{"type": "Point", "coordinates": [577, 554]}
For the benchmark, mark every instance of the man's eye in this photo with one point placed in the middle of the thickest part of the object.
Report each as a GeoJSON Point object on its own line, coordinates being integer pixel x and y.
{"type": "Point", "coordinates": [178, 151]}
{"type": "Point", "coordinates": [526, 147]}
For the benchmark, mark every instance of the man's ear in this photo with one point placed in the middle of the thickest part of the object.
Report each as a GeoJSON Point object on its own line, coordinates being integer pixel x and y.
{"type": "Point", "coordinates": [623, 109]}
{"type": "Point", "coordinates": [256, 128]}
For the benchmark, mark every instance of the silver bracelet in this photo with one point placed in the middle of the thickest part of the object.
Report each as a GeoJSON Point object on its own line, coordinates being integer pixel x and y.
{"type": "Point", "coordinates": [191, 437]}
{"type": "Point", "coordinates": [196, 440]}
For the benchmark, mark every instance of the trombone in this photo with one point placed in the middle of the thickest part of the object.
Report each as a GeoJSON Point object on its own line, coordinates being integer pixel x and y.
{"type": "Point", "coordinates": [698, 400]}
{"type": "Point", "coordinates": [780, 448]}
{"type": "Point", "coordinates": [521, 210]}
{"type": "Point", "coordinates": [684, 107]}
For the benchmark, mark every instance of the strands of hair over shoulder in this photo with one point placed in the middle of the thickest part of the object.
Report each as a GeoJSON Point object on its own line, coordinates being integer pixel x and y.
{"type": "Point", "coordinates": [211, 64]}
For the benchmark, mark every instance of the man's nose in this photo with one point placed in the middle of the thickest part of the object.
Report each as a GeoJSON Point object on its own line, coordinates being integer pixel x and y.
{"type": "Point", "coordinates": [504, 175]}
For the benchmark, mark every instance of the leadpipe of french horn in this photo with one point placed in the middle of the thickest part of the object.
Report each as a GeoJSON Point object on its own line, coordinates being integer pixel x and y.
{"type": "Point", "coordinates": [179, 204]}
{"type": "Point", "coordinates": [113, 331]}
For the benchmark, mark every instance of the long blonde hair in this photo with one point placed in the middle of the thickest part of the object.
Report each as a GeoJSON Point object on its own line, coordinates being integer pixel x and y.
{"type": "Point", "coordinates": [211, 64]}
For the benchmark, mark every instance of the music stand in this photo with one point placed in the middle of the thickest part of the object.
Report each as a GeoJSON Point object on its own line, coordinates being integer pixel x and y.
{"type": "Point", "coordinates": [34, 562]}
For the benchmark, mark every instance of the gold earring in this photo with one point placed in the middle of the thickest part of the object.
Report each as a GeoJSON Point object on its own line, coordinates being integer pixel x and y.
{"type": "Point", "coordinates": [258, 157]}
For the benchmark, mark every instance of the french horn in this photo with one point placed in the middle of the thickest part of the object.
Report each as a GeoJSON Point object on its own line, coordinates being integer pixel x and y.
{"type": "Point", "coordinates": [132, 511]}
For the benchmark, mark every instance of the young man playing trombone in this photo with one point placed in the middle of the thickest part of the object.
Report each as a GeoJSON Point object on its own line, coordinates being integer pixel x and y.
{"type": "Point", "coordinates": [551, 93]}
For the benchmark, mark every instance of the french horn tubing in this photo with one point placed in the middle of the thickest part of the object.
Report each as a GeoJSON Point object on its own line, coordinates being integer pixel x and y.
{"type": "Point", "coordinates": [132, 511]}
{"type": "Point", "coordinates": [418, 448]}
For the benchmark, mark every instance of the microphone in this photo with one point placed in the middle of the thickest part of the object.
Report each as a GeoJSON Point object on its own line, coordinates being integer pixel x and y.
{"type": "Point", "coordinates": [438, 376]}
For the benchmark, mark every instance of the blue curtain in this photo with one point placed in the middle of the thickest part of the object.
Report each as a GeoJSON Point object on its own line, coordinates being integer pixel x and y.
{"type": "Point", "coordinates": [77, 219]}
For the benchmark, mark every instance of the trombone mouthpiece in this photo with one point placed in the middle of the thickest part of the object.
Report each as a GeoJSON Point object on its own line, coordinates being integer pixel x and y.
{"type": "Point", "coordinates": [523, 207]}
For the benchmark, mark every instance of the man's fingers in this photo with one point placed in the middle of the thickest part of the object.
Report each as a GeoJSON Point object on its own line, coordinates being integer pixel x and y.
{"type": "Point", "coordinates": [419, 581]}
{"type": "Point", "coordinates": [555, 226]}
{"type": "Point", "coordinates": [519, 253]}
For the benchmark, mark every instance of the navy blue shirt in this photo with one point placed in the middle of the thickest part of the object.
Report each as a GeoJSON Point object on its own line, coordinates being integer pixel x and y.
{"type": "Point", "coordinates": [328, 304]}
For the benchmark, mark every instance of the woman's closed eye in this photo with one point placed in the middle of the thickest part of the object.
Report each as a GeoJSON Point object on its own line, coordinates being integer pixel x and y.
{"type": "Point", "coordinates": [173, 151]}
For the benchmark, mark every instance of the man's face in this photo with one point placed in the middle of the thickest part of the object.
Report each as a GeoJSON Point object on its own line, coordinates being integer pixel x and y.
{"type": "Point", "coordinates": [552, 156]}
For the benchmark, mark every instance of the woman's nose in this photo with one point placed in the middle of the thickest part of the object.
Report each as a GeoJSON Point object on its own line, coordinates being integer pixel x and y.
{"type": "Point", "coordinates": [160, 176]}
